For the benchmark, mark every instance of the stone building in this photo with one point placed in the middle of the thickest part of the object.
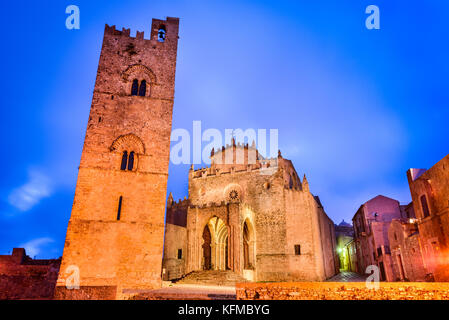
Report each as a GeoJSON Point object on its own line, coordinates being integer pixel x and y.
{"type": "Point", "coordinates": [406, 258]}
{"type": "Point", "coordinates": [430, 195]}
{"type": "Point", "coordinates": [175, 239]}
{"type": "Point", "coordinates": [254, 217]}
{"type": "Point", "coordinates": [22, 277]}
{"type": "Point", "coordinates": [371, 224]}
{"type": "Point", "coordinates": [346, 248]}
{"type": "Point", "coordinates": [405, 245]}
{"type": "Point", "coordinates": [116, 230]}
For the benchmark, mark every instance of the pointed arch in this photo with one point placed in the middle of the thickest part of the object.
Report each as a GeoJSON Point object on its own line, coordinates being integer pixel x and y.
{"type": "Point", "coordinates": [248, 237]}
{"type": "Point", "coordinates": [207, 252]}
{"type": "Point", "coordinates": [218, 244]}
{"type": "Point", "coordinates": [424, 206]}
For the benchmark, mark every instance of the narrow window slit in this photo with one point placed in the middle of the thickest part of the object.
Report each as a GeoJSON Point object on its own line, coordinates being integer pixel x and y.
{"type": "Point", "coordinates": [119, 211]}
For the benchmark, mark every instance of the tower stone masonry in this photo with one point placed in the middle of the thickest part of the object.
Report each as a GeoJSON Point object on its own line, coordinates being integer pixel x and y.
{"type": "Point", "coordinates": [116, 230]}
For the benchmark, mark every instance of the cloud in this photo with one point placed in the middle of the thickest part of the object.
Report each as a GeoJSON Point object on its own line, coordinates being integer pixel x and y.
{"type": "Point", "coordinates": [28, 195]}
{"type": "Point", "coordinates": [34, 247]}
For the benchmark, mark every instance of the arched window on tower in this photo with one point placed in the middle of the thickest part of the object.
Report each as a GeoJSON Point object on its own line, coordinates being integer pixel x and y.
{"type": "Point", "coordinates": [131, 161]}
{"type": "Point", "coordinates": [425, 206]}
{"type": "Point", "coordinates": [135, 87]}
{"type": "Point", "coordinates": [161, 33]}
{"type": "Point", "coordinates": [143, 88]}
{"type": "Point", "coordinates": [124, 160]}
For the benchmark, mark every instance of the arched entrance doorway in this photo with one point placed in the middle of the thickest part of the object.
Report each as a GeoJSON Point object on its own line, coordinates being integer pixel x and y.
{"type": "Point", "coordinates": [215, 245]}
{"type": "Point", "coordinates": [207, 262]}
{"type": "Point", "coordinates": [246, 264]}
{"type": "Point", "coordinates": [248, 246]}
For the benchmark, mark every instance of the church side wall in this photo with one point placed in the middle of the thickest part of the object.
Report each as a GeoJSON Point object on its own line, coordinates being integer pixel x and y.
{"type": "Point", "coordinates": [271, 229]}
{"type": "Point", "coordinates": [175, 239]}
{"type": "Point", "coordinates": [301, 230]}
{"type": "Point", "coordinates": [328, 243]}
{"type": "Point", "coordinates": [281, 214]}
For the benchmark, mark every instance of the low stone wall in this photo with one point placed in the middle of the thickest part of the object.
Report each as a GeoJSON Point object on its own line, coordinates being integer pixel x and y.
{"type": "Point", "coordinates": [24, 278]}
{"type": "Point", "coordinates": [86, 293]}
{"type": "Point", "coordinates": [342, 291]}
{"type": "Point", "coordinates": [26, 287]}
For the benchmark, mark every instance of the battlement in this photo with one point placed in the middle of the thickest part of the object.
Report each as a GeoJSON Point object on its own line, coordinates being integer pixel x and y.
{"type": "Point", "coordinates": [177, 211]}
{"type": "Point", "coordinates": [113, 31]}
{"type": "Point", "coordinates": [234, 146]}
{"type": "Point", "coordinates": [169, 26]}
{"type": "Point", "coordinates": [213, 171]}
{"type": "Point", "coordinates": [236, 158]}
{"type": "Point", "coordinates": [178, 204]}
{"type": "Point", "coordinates": [238, 145]}
{"type": "Point", "coordinates": [213, 204]}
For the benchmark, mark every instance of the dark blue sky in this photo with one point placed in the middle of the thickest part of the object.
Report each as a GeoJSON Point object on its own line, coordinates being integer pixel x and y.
{"type": "Point", "coordinates": [355, 108]}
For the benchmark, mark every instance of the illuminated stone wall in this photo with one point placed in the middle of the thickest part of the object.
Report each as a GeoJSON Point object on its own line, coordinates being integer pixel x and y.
{"type": "Point", "coordinates": [124, 252]}
{"type": "Point", "coordinates": [407, 262]}
{"type": "Point", "coordinates": [24, 278]}
{"type": "Point", "coordinates": [342, 291]}
{"type": "Point", "coordinates": [256, 214]}
{"type": "Point", "coordinates": [432, 187]}
{"type": "Point", "coordinates": [371, 224]}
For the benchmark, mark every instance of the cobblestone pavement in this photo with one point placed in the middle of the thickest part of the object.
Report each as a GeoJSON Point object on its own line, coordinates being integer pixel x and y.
{"type": "Point", "coordinates": [187, 291]}
{"type": "Point", "coordinates": [346, 276]}
{"type": "Point", "coordinates": [343, 291]}
{"type": "Point", "coordinates": [344, 286]}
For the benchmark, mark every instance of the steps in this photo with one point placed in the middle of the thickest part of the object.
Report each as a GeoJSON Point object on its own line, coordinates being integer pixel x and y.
{"type": "Point", "coordinates": [212, 277]}
{"type": "Point", "coordinates": [197, 285]}
{"type": "Point", "coordinates": [183, 293]}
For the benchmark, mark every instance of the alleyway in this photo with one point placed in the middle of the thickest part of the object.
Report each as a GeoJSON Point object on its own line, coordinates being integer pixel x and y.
{"type": "Point", "coordinates": [347, 276]}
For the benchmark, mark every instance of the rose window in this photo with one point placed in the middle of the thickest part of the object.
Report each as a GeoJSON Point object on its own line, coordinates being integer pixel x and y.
{"type": "Point", "coordinates": [234, 195]}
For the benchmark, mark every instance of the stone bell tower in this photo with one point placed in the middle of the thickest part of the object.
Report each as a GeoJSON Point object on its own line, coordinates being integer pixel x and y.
{"type": "Point", "coordinates": [116, 231]}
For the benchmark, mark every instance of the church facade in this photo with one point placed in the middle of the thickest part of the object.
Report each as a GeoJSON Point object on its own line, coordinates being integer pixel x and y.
{"type": "Point", "coordinates": [250, 215]}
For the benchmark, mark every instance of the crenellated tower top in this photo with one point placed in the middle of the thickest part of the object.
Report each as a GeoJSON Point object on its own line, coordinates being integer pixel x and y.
{"type": "Point", "coordinates": [161, 31]}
